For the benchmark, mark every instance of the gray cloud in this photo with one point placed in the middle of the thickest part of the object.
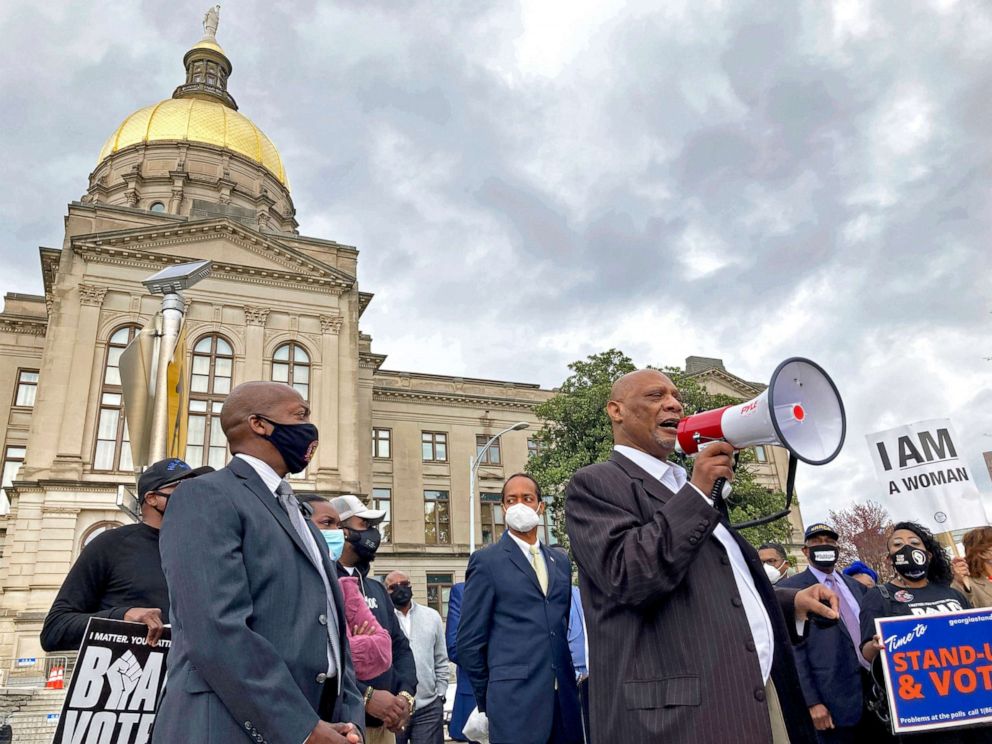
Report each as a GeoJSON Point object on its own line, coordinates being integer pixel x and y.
{"type": "Point", "coordinates": [751, 182]}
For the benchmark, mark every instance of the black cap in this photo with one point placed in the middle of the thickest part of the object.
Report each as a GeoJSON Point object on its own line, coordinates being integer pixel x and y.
{"type": "Point", "coordinates": [165, 473]}
{"type": "Point", "coordinates": [820, 529]}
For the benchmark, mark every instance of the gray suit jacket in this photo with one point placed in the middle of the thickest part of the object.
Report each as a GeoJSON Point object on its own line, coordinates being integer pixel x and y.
{"type": "Point", "coordinates": [672, 658]}
{"type": "Point", "coordinates": [248, 612]}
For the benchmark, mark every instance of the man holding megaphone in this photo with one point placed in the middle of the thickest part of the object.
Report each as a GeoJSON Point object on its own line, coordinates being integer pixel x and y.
{"type": "Point", "coordinates": [687, 637]}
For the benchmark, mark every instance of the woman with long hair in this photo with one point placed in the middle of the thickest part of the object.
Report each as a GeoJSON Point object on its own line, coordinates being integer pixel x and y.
{"type": "Point", "coordinates": [921, 586]}
{"type": "Point", "coordinates": [973, 573]}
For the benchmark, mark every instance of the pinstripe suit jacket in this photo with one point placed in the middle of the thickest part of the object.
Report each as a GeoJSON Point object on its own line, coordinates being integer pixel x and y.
{"type": "Point", "coordinates": [672, 658]}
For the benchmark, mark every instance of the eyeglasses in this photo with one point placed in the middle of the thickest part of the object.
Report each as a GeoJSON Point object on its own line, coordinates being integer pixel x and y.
{"type": "Point", "coordinates": [406, 584]}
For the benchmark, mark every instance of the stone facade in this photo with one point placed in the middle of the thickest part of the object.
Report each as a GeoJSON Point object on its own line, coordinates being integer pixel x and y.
{"type": "Point", "coordinates": [278, 305]}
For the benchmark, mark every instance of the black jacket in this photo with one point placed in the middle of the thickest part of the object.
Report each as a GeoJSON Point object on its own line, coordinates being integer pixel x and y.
{"type": "Point", "coordinates": [402, 675]}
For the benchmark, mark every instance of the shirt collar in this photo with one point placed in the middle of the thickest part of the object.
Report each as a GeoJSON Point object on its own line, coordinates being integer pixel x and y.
{"type": "Point", "coordinates": [524, 546]}
{"type": "Point", "coordinates": [655, 468]}
{"type": "Point", "coordinates": [269, 476]}
{"type": "Point", "coordinates": [821, 576]}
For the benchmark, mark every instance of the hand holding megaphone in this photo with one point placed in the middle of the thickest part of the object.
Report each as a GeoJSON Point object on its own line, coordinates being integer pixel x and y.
{"type": "Point", "coordinates": [801, 410]}
{"type": "Point", "coordinates": [715, 461]}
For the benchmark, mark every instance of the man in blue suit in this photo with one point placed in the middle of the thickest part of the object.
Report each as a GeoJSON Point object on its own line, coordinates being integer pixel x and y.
{"type": "Point", "coordinates": [513, 633]}
{"type": "Point", "coordinates": [830, 660]}
{"type": "Point", "coordinates": [464, 698]}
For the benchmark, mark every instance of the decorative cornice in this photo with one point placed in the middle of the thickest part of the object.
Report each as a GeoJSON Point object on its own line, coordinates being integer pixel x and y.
{"type": "Point", "coordinates": [367, 360]}
{"type": "Point", "coordinates": [266, 246]}
{"type": "Point", "coordinates": [23, 324]}
{"type": "Point", "coordinates": [453, 399]}
{"type": "Point", "coordinates": [331, 324]}
{"type": "Point", "coordinates": [256, 316]}
{"type": "Point", "coordinates": [236, 272]}
{"type": "Point", "coordinates": [91, 294]}
{"type": "Point", "coordinates": [747, 388]}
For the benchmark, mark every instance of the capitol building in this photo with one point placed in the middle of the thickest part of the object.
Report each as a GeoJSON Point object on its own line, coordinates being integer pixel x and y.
{"type": "Point", "coordinates": [188, 178]}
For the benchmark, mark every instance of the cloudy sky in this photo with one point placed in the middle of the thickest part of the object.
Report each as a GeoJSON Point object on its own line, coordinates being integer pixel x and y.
{"type": "Point", "coordinates": [532, 182]}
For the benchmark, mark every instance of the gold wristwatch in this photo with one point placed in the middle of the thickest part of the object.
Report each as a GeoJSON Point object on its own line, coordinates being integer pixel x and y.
{"type": "Point", "coordinates": [410, 699]}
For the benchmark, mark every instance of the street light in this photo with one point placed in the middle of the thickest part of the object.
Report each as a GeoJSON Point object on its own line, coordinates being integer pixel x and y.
{"type": "Point", "coordinates": [168, 283]}
{"type": "Point", "coordinates": [473, 464]}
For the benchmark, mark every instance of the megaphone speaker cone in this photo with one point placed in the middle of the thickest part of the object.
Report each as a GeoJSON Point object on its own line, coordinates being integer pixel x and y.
{"type": "Point", "coordinates": [801, 410]}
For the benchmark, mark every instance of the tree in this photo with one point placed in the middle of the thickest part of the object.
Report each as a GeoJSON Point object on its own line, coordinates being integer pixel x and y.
{"type": "Point", "coordinates": [577, 433]}
{"type": "Point", "coordinates": [863, 529]}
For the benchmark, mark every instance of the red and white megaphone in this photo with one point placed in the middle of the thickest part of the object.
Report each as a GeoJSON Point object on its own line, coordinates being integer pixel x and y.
{"type": "Point", "coordinates": [800, 410]}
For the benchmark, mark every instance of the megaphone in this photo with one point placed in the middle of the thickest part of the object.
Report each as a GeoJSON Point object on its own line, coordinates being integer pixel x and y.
{"type": "Point", "coordinates": [800, 410]}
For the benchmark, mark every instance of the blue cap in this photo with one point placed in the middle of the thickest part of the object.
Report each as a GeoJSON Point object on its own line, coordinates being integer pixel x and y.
{"type": "Point", "coordinates": [861, 568]}
{"type": "Point", "coordinates": [165, 473]}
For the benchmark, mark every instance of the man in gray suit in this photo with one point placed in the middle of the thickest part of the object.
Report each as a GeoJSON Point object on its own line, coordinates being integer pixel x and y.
{"type": "Point", "coordinates": [259, 646]}
{"type": "Point", "coordinates": [688, 642]}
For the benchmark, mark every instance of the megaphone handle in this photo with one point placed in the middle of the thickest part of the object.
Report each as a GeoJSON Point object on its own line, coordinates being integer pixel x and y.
{"type": "Point", "coordinates": [718, 495]}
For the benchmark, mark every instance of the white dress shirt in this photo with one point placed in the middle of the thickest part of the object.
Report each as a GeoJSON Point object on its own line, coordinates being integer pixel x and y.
{"type": "Point", "coordinates": [754, 608]}
{"type": "Point", "coordinates": [272, 480]}
{"type": "Point", "coordinates": [525, 549]}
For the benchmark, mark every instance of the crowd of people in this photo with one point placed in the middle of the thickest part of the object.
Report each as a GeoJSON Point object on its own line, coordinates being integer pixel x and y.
{"type": "Point", "coordinates": [678, 630]}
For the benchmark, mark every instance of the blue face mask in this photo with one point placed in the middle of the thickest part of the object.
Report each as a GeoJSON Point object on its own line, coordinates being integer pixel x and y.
{"type": "Point", "coordinates": [335, 542]}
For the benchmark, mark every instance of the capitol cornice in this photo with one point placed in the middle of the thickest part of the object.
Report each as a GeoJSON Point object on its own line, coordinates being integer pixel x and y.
{"type": "Point", "coordinates": [137, 248]}
{"type": "Point", "coordinates": [453, 399]}
{"type": "Point", "coordinates": [27, 324]}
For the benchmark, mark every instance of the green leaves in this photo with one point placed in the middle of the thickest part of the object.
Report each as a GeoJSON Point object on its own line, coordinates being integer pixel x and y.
{"type": "Point", "coordinates": [577, 433]}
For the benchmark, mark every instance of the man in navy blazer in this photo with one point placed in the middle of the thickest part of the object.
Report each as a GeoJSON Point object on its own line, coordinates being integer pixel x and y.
{"type": "Point", "coordinates": [513, 633]}
{"type": "Point", "coordinates": [830, 662]}
{"type": "Point", "coordinates": [464, 697]}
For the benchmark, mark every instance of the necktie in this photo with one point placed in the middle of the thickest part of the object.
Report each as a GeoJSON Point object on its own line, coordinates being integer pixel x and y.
{"type": "Point", "coordinates": [539, 568]}
{"type": "Point", "coordinates": [289, 502]}
{"type": "Point", "coordinates": [847, 614]}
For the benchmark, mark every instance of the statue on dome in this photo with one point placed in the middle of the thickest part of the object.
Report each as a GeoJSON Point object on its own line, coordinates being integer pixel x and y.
{"type": "Point", "coordinates": [210, 22]}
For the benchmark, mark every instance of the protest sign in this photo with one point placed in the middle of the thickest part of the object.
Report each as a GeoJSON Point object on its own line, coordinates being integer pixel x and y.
{"type": "Point", "coordinates": [938, 669]}
{"type": "Point", "coordinates": [924, 475]}
{"type": "Point", "coordinates": [115, 688]}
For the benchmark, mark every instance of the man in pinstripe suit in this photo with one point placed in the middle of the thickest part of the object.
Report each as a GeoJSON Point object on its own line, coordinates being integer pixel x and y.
{"type": "Point", "coordinates": [688, 641]}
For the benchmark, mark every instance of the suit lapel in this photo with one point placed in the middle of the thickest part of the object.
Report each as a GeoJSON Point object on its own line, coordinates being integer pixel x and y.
{"type": "Point", "coordinates": [552, 565]}
{"type": "Point", "coordinates": [517, 559]}
{"type": "Point", "coordinates": [255, 484]}
{"type": "Point", "coordinates": [652, 485]}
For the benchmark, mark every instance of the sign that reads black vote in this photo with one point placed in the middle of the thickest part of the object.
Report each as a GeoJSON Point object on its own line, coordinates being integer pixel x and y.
{"type": "Point", "coordinates": [115, 687]}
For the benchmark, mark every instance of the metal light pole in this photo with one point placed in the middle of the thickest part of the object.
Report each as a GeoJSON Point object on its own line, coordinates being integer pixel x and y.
{"type": "Point", "coordinates": [168, 283]}
{"type": "Point", "coordinates": [473, 466]}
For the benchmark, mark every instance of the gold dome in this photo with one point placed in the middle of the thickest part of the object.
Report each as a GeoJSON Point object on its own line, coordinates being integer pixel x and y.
{"type": "Point", "coordinates": [197, 120]}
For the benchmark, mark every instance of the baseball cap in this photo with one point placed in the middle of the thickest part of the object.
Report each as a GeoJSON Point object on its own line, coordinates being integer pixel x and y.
{"type": "Point", "coordinates": [165, 473]}
{"type": "Point", "coordinates": [820, 529]}
{"type": "Point", "coordinates": [351, 506]}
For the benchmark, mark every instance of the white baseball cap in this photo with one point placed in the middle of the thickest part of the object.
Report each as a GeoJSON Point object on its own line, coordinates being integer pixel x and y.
{"type": "Point", "coordinates": [351, 506]}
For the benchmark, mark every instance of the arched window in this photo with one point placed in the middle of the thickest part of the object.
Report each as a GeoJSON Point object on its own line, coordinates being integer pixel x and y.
{"type": "Point", "coordinates": [157, 207]}
{"type": "Point", "coordinates": [98, 529]}
{"type": "Point", "coordinates": [113, 448]}
{"type": "Point", "coordinates": [210, 382]}
{"type": "Point", "coordinates": [291, 364]}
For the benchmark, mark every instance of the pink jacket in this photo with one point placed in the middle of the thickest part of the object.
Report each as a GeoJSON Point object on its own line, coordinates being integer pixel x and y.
{"type": "Point", "coordinates": [371, 654]}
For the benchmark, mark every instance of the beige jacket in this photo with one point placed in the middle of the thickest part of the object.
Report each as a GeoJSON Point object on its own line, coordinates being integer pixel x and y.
{"type": "Point", "coordinates": [980, 594]}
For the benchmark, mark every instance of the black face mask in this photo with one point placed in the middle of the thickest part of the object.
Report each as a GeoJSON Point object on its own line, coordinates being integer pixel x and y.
{"type": "Point", "coordinates": [823, 556]}
{"type": "Point", "coordinates": [365, 542]}
{"type": "Point", "coordinates": [295, 442]}
{"type": "Point", "coordinates": [911, 562]}
{"type": "Point", "coordinates": [401, 596]}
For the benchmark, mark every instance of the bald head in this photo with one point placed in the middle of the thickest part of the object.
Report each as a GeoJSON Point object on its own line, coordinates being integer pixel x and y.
{"type": "Point", "coordinates": [253, 397]}
{"type": "Point", "coordinates": [644, 410]}
{"type": "Point", "coordinates": [251, 413]}
{"type": "Point", "coordinates": [630, 382]}
{"type": "Point", "coordinates": [395, 576]}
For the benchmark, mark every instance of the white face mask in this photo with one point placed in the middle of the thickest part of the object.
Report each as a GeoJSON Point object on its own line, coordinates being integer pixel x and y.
{"type": "Point", "coordinates": [522, 518]}
{"type": "Point", "coordinates": [773, 574]}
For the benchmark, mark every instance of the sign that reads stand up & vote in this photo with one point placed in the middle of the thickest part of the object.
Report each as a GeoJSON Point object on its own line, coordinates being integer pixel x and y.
{"type": "Point", "coordinates": [924, 475]}
{"type": "Point", "coordinates": [115, 688]}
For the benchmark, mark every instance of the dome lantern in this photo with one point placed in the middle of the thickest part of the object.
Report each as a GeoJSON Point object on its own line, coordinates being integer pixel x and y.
{"type": "Point", "coordinates": [207, 67]}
